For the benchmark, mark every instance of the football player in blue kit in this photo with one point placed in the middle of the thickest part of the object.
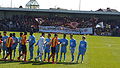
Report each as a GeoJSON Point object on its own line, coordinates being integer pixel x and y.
{"type": "Point", "coordinates": [14, 44]}
{"type": "Point", "coordinates": [4, 48]}
{"type": "Point", "coordinates": [64, 43]}
{"type": "Point", "coordinates": [47, 47]}
{"type": "Point", "coordinates": [72, 46]}
{"type": "Point", "coordinates": [82, 49]}
{"type": "Point", "coordinates": [31, 45]}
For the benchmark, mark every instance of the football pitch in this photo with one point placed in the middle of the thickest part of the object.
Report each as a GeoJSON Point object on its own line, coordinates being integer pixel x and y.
{"type": "Point", "coordinates": [102, 52]}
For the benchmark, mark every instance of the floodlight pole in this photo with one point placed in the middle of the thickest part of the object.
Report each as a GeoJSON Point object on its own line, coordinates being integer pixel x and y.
{"type": "Point", "coordinates": [11, 3]}
{"type": "Point", "coordinates": [79, 5]}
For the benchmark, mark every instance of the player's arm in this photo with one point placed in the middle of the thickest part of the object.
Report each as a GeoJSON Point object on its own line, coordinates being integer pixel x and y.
{"type": "Point", "coordinates": [70, 44]}
{"type": "Point", "coordinates": [17, 40]}
{"type": "Point", "coordinates": [86, 45]}
{"type": "Point", "coordinates": [34, 40]}
{"type": "Point", "coordinates": [66, 42]}
{"type": "Point", "coordinates": [28, 40]}
{"type": "Point", "coordinates": [12, 41]}
{"type": "Point", "coordinates": [37, 43]}
{"type": "Point", "coordinates": [75, 43]}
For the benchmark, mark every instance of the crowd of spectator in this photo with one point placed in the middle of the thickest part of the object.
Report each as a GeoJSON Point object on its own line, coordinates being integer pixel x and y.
{"type": "Point", "coordinates": [32, 23]}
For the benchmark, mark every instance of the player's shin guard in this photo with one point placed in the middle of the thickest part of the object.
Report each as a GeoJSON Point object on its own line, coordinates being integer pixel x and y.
{"type": "Point", "coordinates": [82, 58]}
{"type": "Point", "coordinates": [44, 56]}
{"type": "Point", "coordinates": [72, 57]}
{"type": "Point", "coordinates": [78, 58]}
{"type": "Point", "coordinates": [14, 53]}
{"type": "Point", "coordinates": [25, 55]}
{"type": "Point", "coordinates": [7, 55]}
{"type": "Point", "coordinates": [53, 57]}
{"type": "Point", "coordinates": [48, 55]}
{"type": "Point", "coordinates": [40, 57]}
{"type": "Point", "coordinates": [3, 53]}
{"type": "Point", "coordinates": [64, 56]}
{"type": "Point", "coordinates": [60, 57]}
{"type": "Point", "coordinates": [11, 56]}
{"type": "Point", "coordinates": [56, 57]}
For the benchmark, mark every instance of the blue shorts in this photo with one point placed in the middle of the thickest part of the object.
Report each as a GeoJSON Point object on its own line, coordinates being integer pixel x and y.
{"type": "Point", "coordinates": [31, 48]}
{"type": "Point", "coordinates": [81, 52]}
{"type": "Point", "coordinates": [20, 48]}
{"type": "Point", "coordinates": [14, 47]}
{"type": "Point", "coordinates": [57, 49]}
{"type": "Point", "coordinates": [47, 50]}
{"type": "Point", "coordinates": [4, 47]}
{"type": "Point", "coordinates": [63, 50]}
{"type": "Point", "coordinates": [72, 50]}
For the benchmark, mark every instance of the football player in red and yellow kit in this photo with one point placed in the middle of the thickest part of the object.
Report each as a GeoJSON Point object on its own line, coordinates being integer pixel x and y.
{"type": "Point", "coordinates": [9, 43]}
{"type": "Point", "coordinates": [24, 48]}
{"type": "Point", "coordinates": [54, 43]}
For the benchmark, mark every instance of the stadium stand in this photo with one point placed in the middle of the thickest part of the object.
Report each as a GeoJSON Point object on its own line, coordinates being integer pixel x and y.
{"type": "Point", "coordinates": [67, 23]}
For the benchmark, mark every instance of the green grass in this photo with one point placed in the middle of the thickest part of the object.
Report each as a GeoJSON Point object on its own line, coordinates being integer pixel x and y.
{"type": "Point", "coordinates": [102, 52]}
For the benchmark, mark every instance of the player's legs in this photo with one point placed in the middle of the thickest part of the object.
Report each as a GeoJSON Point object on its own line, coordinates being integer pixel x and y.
{"type": "Point", "coordinates": [25, 53]}
{"type": "Point", "coordinates": [10, 52]}
{"type": "Point", "coordinates": [31, 53]}
{"type": "Point", "coordinates": [14, 53]}
{"type": "Point", "coordinates": [5, 50]}
{"type": "Point", "coordinates": [52, 54]}
{"type": "Point", "coordinates": [60, 56]}
{"type": "Point", "coordinates": [72, 56]}
{"type": "Point", "coordinates": [48, 55]}
{"type": "Point", "coordinates": [56, 56]}
{"type": "Point", "coordinates": [53, 57]}
{"type": "Point", "coordinates": [78, 57]}
{"type": "Point", "coordinates": [21, 51]}
{"type": "Point", "coordinates": [45, 56]}
{"type": "Point", "coordinates": [4, 53]}
{"type": "Point", "coordinates": [40, 55]}
{"type": "Point", "coordinates": [82, 59]}
{"type": "Point", "coordinates": [64, 57]}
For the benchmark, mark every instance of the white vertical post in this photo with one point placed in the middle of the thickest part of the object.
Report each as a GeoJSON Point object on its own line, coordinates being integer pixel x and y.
{"type": "Point", "coordinates": [79, 4]}
{"type": "Point", "coordinates": [11, 3]}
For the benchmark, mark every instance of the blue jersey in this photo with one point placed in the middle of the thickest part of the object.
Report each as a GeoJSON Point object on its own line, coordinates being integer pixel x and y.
{"type": "Point", "coordinates": [47, 45]}
{"type": "Point", "coordinates": [4, 42]}
{"type": "Point", "coordinates": [20, 44]}
{"type": "Point", "coordinates": [64, 43]}
{"type": "Point", "coordinates": [57, 47]}
{"type": "Point", "coordinates": [83, 45]}
{"type": "Point", "coordinates": [4, 39]}
{"type": "Point", "coordinates": [15, 42]}
{"type": "Point", "coordinates": [31, 40]}
{"type": "Point", "coordinates": [72, 43]}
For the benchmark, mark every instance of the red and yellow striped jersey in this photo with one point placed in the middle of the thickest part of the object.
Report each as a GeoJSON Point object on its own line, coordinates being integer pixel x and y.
{"type": "Point", "coordinates": [54, 42]}
{"type": "Point", "coordinates": [9, 42]}
{"type": "Point", "coordinates": [23, 40]}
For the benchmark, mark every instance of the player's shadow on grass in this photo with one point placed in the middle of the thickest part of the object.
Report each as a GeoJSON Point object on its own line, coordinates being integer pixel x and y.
{"type": "Point", "coordinates": [5, 62]}
{"type": "Point", "coordinates": [42, 63]}
{"type": "Point", "coordinates": [36, 63]}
